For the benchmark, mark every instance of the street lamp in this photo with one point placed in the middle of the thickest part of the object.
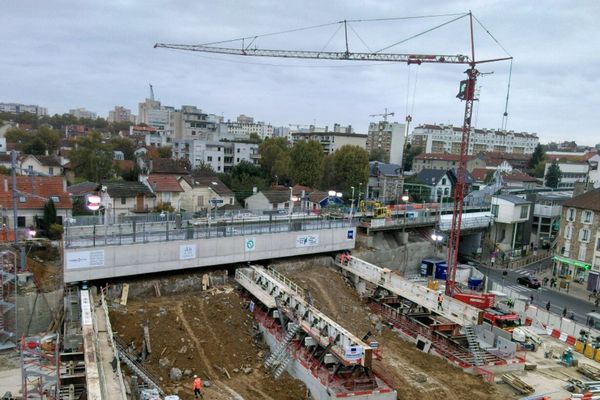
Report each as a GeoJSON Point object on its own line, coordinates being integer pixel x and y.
{"type": "Point", "coordinates": [404, 200]}
{"type": "Point", "coordinates": [352, 203]}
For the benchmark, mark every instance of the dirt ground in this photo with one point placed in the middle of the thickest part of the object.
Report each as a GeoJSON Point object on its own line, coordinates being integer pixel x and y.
{"type": "Point", "coordinates": [412, 373]}
{"type": "Point", "coordinates": [209, 334]}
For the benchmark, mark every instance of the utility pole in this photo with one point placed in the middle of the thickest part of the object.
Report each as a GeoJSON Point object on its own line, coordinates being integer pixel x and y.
{"type": "Point", "coordinates": [15, 194]}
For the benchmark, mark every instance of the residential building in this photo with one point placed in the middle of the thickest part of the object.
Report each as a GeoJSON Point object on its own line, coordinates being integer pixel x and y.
{"type": "Point", "coordinates": [594, 170]}
{"type": "Point", "coordinates": [123, 198]}
{"type": "Point", "coordinates": [221, 156]}
{"type": "Point", "coordinates": [159, 165]}
{"type": "Point", "coordinates": [571, 172]}
{"type": "Point", "coordinates": [40, 165]}
{"type": "Point", "coordinates": [3, 145]}
{"type": "Point", "coordinates": [389, 137]}
{"type": "Point", "coordinates": [448, 139]}
{"type": "Point", "coordinates": [444, 162]}
{"type": "Point", "coordinates": [505, 162]}
{"type": "Point", "coordinates": [76, 130]}
{"type": "Point", "coordinates": [120, 114]}
{"type": "Point", "coordinates": [282, 131]}
{"type": "Point", "coordinates": [442, 182]}
{"type": "Point", "coordinates": [33, 194]}
{"type": "Point", "coordinates": [160, 118]}
{"type": "Point", "coordinates": [245, 126]}
{"type": "Point", "coordinates": [83, 113]}
{"type": "Point", "coordinates": [385, 182]}
{"type": "Point", "coordinates": [547, 211]}
{"type": "Point", "coordinates": [518, 179]}
{"type": "Point", "coordinates": [270, 200]}
{"type": "Point", "coordinates": [204, 192]}
{"type": "Point", "coordinates": [331, 140]}
{"type": "Point", "coordinates": [578, 249]}
{"type": "Point", "coordinates": [512, 227]}
{"type": "Point", "coordinates": [166, 188]}
{"type": "Point", "coordinates": [17, 108]}
{"type": "Point", "coordinates": [191, 123]}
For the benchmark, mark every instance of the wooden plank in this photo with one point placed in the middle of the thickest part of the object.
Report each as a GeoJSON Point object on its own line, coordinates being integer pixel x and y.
{"type": "Point", "coordinates": [125, 294]}
{"type": "Point", "coordinates": [517, 384]}
{"type": "Point", "coordinates": [157, 289]}
{"type": "Point", "coordinates": [205, 282]}
{"type": "Point", "coordinates": [147, 338]}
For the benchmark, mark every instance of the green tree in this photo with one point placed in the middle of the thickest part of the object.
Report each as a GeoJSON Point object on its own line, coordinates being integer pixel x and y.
{"type": "Point", "coordinates": [409, 154]}
{"type": "Point", "coordinates": [553, 175]}
{"type": "Point", "coordinates": [50, 138]}
{"type": "Point", "coordinates": [379, 155]}
{"type": "Point", "coordinates": [255, 138]}
{"type": "Point", "coordinates": [350, 167]}
{"type": "Point", "coordinates": [271, 150]}
{"type": "Point", "coordinates": [92, 158]}
{"type": "Point", "coordinates": [203, 168]}
{"type": "Point", "coordinates": [536, 157]}
{"type": "Point", "coordinates": [48, 220]}
{"type": "Point", "coordinates": [131, 175]}
{"type": "Point", "coordinates": [307, 162]}
{"type": "Point", "coordinates": [243, 178]}
{"type": "Point", "coordinates": [327, 174]}
{"type": "Point", "coordinates": [35, 145]}
{"type": "Point", "coordinates": [489, 177]}
{"type": "Point", "coordinates": [538, 171]}
{"type": "Point", "coordinates": [165, 151]}
{"type": "Point", "coordinates": [123, 144]}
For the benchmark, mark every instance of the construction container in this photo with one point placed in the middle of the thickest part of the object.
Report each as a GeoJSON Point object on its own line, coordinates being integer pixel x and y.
{"type": "Point", "coordinates": [589, 351]}
{"type": "Point", "coordinates": [441, 271]}
{"type": "Point", "coordinates": [579, 346]}
{"type": "Point", "coordinates": [475, 283]}
{"type": "Point", "coordinates": [429, 266]}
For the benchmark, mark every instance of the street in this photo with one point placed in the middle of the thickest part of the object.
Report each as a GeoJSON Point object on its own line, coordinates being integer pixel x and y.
{"type": "Point", "coordinates": [541, 296]}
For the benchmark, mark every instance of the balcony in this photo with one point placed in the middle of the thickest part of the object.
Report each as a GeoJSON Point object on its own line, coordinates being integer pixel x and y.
{"type": "Point", "coordinates": [541, 210]}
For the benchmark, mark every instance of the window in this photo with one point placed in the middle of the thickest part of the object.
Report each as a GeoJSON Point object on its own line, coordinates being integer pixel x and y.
{"type": "Point", "coordinates": [443, 181]}
{"type": "Point", "coordinates": [55, 199]}
{"type": "Point", "coordinates": [200, 201]}
{"type": "Point", "coordinates": [568, 232]}
{"type": "Point", "coordinates": [21, 222]}
{"type": "Point", "coordinates": [166, 197]}
{"type": "Point", "coordinates": [22, 199]}
{"type": "Point", "coordinates": [582, 253]}
{"type": "Point", "coordinates": [598, 244]}
{"type": "Point", "coordinates": [238, 150]}
{"type": "Point", "coordinates": [123, 200]}
{"type": "Point", "coordinates": [209, 158]}
{"type": "Point", "coordinates": [218, 158]}
{"type": "Point", "coordinates": [238, 159]}
{"type": "Point", "coordinates": [584, 235]}
{"type": "Point", "coordinates": [525, 211]}
{"type": "Point", "coordinates": [30, 168]}
{"type": "Point", "coordinates": [587, 217]}
{"type": "Point", "coordinates": [50, 170]}
{"type": "Point", "coordinates": [495, 210]}
{"type": "Point", "coordinates": [571, 214]}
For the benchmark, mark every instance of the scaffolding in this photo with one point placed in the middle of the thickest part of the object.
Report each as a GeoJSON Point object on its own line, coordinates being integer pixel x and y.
{"type": "Point", "coordinates": [40, 365]}
{"type": "Point", "coordinates": [8, 299]}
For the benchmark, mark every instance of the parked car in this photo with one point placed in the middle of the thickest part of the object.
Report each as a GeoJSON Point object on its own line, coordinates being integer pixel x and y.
{"type": "Point", "coordinates": [529, 281]}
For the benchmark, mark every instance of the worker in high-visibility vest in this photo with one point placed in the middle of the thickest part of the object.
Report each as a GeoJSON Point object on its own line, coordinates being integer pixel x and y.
{"type": "Point", "coordinates": [197, 387]}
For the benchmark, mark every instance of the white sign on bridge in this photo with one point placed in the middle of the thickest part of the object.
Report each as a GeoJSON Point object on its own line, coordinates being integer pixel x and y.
{"type": "Point", "coordinates": [307, 240]}
{"type": "Point", "coordinates": [85, 259]}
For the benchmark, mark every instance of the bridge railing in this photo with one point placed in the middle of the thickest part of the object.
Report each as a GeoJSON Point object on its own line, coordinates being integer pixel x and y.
{"type": "Point", "coordinates": [145, 232]}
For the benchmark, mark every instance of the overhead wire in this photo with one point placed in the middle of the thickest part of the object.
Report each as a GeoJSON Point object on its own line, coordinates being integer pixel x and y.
{"type": "Point", "coordinates": [330, 39]}
{"type": "Point", "coordinates": [360, 38]}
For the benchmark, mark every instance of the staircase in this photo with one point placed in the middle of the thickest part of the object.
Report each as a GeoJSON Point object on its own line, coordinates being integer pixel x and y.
{"type": "Point", "coordinates": [283, 365]}
{"type": "Point", "coordinates": [6, 337]}
{"type": "Point", "coordinates": [280, 353]}
{"type": "Point", "coordinates": [137, 368]}
{"type": "Point", "coordinates": [478, 353]}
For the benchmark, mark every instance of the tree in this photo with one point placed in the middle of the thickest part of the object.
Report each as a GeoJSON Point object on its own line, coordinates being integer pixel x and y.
{"type": "Point", "coordinates": [536, 157]}
{"type": "Point", "coordinates": [350, 167]}
{"type": "Point", "coordinates": [92, 158]}
{"type": "Point", "coordinates": [49, 220]}
{"type": "Point", "coordinates": [243, 178]}
{"type": "Point", "coordinates": [165, 151]}
{"type": "Point", "coordinates": [131, 175]}
{"type": "Point", "coordinates": [410, 153]}
{"type": "Point", "coordinates": [379, 155]}
{"type": "Point", "coordinates": [327, 177]}
{"type": "Point", "coordinates": [255, 138]}
{"type": "Point", "coordinates": [553, 175]}
{"type": "Point", "coordinates": [271, 150]}
{"type": "Point", "coordinates": [203, 168]}
{"type": "Point", "coordinates": [489, 177]}
{"type": "Point", "coordinates": [35, 146]}
{"type": "Point", "coordinates": [307, 162]}
{"type": "Point", "coordinates": [50, 137]}
{"type": "Point", "coordinates": [125, 145]}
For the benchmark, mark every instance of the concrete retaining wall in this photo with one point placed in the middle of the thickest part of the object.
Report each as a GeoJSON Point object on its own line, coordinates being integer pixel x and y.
{"type": "Point", "coordinates": [36, 314]}
{"type": "Point", "coordinates": [135, 259]}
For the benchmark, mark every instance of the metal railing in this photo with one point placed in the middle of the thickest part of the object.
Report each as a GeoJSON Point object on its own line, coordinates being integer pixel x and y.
{"type": "Point", "coordinates": [145, 232]}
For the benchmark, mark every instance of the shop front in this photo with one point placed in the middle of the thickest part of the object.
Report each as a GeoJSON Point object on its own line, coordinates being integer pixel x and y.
{"type": "Point", "coordinates": [569, 270]}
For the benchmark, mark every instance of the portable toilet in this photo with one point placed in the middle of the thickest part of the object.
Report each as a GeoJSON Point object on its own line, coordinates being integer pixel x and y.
{"type": "Point", "coordinates": [441, 270]}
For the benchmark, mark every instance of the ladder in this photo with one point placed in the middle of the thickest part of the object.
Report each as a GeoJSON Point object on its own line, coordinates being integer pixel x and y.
{"type": "Point", "coordinates": [478, 354]}
{"type": "Point", "coordinates": [283, 365]}
{"type": "Point", "coordinates": [280, 353]}
{"type": "Point", "coordinates": [137, 368]}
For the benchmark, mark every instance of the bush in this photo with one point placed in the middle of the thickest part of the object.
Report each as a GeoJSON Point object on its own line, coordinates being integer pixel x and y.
{"type": "Point", "coordinates": [55, 231]}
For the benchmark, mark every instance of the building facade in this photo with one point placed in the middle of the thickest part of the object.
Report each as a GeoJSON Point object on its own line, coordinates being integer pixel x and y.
{"type": "Point", "coordinates": [17, 108]}
{"type": "Point", "coordinates": [511, 230]}
{"type": "Point", "coordinates": [120, 114]}
{"type": "Point", "coordinates": [83, 113]}
{"type": "Point", "coordinates": [571, 173]}
{"type": "Point", "coordinates": [448, 139]}
{"type": "Point", "coordinates": [245, 126]}
{"type": "Point", "coordinates": [577, 255]}
{"type": "Point", "coordinates": [389, 137]}
{"type": "Point", "coordinates": [444, 161]}
{"type": "Point", "coordinates": [331, 140]}
{"type": "Point", "coordinates": [221, 156]}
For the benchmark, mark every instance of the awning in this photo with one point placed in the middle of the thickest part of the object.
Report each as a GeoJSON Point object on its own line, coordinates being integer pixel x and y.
{"type": "Point", "coordinates": [576, 263]}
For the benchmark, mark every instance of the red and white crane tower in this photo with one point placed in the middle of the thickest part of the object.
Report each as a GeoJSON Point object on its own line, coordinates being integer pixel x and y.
{"type": "Point", "coordinates": [466, 93]}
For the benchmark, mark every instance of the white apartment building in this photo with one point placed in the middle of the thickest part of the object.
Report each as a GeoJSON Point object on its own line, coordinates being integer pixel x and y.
{"type": "Point", "coordinates": [448, 139]}
{"type": "Point", "coordinates": [571, 172]}
{"type": "Point", "coordinates": [221, 156]}
{"type": "Point", "coordinates": [331, 140]}
{"type": "Point", "coordinates": [388, 136]}
{"type": "Point", "coordinates": [83, 113]}
{"type": "Point", "coordinates": [192, 123]}
{"type": "Point", "coordinates": [245, 129]}
{"type": "Point", "coordinates": [16, 108]}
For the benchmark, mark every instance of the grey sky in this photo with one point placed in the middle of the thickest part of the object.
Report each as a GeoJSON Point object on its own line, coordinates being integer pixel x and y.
{"type": "Point", "coordinates": [68, 54]}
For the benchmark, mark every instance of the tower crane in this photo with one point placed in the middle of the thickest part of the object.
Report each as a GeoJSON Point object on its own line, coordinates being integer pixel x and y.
{"type": "Point", "coordinates": [384, 115]}
{"type": "Point", "coordinates": [466, 94]}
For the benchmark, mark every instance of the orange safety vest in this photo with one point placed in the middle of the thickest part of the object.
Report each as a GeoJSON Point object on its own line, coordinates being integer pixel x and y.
{"type": "Point", "coordinates": [197, 383]}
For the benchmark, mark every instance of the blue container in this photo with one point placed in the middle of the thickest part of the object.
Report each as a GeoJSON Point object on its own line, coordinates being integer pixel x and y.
{"type": "Point", "coordinates": [474, 283]}
{"type": "Point", "coordinates": [441, 270]}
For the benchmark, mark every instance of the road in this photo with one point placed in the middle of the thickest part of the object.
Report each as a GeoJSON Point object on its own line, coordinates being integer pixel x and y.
{"type": "Point", "coordinates": [558, 300]}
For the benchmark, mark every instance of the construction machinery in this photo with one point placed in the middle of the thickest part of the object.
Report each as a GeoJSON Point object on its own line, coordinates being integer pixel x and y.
{"type": "Point", "coordinates": [466, 94]}
{"type": "Point", "coordinates": [526, 338]}
{"type": "Point", "coordinates": [384, 115]}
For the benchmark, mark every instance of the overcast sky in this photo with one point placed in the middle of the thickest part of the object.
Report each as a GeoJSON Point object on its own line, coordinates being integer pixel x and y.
{"type": "Point", "coordinates": [68, 54]}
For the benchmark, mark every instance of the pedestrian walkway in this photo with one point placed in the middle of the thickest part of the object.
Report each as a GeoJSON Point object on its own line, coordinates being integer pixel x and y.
{"type": "Point", "coordinates": [573, 289]}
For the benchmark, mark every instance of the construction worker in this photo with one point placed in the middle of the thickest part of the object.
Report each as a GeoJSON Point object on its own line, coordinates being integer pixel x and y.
{"type": "Point", "coordinates": [197, 387]}
{"type": "Point", "coordinates": [440, 301]}
{"type": "Point", "coordinates": [548, 306]}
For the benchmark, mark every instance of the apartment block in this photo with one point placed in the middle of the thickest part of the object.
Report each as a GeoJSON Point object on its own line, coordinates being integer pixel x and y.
{"type": "Point", "coordinates": [331, 140]}
{"type": "Point", "coordinates": [221, 156]}
{"type": "Point", "coordinates": [17, 108]}
{"type": "Point", "coordinates": [121, 114]}
{"type": "Point", "coordinates": [448, 139]}
{"type": "Point", "coordinates": [444, 162]}
{"type": "Point", "coordinates": [389, 137]}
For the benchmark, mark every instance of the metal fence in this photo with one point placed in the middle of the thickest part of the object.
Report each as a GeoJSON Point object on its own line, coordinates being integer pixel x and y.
{"type": "Point", "coordinates": [145, 232]}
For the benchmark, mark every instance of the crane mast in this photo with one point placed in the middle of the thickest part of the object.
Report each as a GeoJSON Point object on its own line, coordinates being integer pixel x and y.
{"type": "Point", "coordinates": [467, 92]}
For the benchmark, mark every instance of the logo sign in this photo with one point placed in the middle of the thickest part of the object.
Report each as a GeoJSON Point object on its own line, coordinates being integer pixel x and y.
{"type": "Point", "coordinates": [85, 259]}
{"type": "Point", "coordinates": [350, 234]}
{"type": "Point", "coordinates": [353, 352]}
{"type": "Point", "coordinates": [307, 240]}
{"type": "Point", "coordinates": [216, 201]}
{"type": "Point", "coordinates": [93, 202]}
{"type": "Point", "coordinates": [187, 252]}
{"type": "Point", "coordinates": [250, 244]}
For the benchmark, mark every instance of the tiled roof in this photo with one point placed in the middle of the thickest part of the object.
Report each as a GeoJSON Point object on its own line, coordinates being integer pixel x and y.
{"type": "Point", "coordinates": [316, 197]}
{"type": "Point", "coordinates": [589, 201]}
{"type": "Point", "coordinates": [50, 161]}
{"type": "Point", "coordinates": [440, 157]}
{"type": "Point", "coordinates": [377, 168]}
{"type": "Point", "coordinates": [126, 189]}
{"type": "Point", "coordinates": [431, 176]}
{"type": "Point", "coordinates": [124, 165]}
{"type": "Point", "coordinates": [518, 176]}
{"type": "Point", "coordinates": [164, 183]}
{"type": "Point", "coordinates": [35, 190]}
{"type": "Point", "coordinates": [209, 181]}
{"type": "Point", "coordinates": [167, 166]}
{"type": "Point", "coordinates": [297, 190]}
{"type": "Point", "coordinates": [277, 196]}
{"type": "Point", "coordinates": [83, 188]}
{"type": "Point", "coordinates": [479, 174]}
